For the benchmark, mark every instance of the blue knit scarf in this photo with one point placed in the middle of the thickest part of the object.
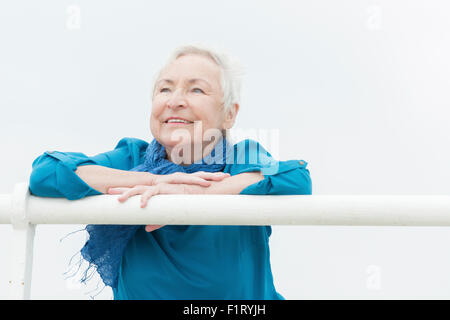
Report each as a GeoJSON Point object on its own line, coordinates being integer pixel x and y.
{"type": "Point", "coordinates": [106, 245]}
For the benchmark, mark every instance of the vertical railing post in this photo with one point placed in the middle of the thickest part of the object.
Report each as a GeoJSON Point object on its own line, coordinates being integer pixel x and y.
{"type": "Point", "coordinates": [22, 245]}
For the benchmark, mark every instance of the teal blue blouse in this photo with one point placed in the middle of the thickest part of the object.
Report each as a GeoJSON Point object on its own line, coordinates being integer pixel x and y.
{"type": "Point", "coordinates": [206, 262]}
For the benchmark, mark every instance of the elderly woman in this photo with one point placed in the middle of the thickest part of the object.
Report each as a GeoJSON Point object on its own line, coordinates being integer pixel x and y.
{"type": "Point", "coordinates": [195, 102]}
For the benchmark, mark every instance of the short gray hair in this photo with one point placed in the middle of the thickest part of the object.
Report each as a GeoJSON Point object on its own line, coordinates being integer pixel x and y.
{"type": "Point", "coordinates": [231, 70]}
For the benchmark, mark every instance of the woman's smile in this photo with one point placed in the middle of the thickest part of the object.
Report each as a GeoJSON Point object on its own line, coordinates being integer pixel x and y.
{"type": "Point", "coordinates": [176, 122]}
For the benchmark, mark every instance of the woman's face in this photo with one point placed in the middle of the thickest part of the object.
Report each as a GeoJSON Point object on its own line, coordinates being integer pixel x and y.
{"type": "Point", "coordinates": [189, 88]}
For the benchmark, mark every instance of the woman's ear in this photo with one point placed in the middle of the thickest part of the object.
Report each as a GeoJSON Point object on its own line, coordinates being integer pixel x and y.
{"type": "Point", "coordinates": [230, 116]}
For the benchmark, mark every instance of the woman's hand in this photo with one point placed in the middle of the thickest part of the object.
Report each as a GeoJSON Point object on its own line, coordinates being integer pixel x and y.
{"type": "Point", "coordinates": [167, 184]}
{"type": "Point", "coordinates": [147, 192]}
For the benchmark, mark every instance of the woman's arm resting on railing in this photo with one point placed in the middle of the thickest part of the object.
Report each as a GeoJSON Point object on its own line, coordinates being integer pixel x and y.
{"type": "Point", "coordinates": [292, 178]}
{"type": "Point", "coordinates": [280, 177]}
{"type": "Point", "coordinates": [54, 173]}
{"type": "Point", "coordinates": [102, 178]}
{"type": "Point", "coordinates": [227, 185]}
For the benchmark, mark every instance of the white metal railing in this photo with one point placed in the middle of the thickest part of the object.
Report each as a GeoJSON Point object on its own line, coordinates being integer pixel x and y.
{"type": "Point", "coordinates": [24, 211]}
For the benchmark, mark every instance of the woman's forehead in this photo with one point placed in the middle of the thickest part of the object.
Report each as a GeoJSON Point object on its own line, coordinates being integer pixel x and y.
{"type": "Point", "coordinates": [190, 69]}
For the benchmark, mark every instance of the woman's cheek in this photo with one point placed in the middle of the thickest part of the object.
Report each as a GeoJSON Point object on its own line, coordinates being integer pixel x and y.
{"type": "Point", "coordinates": [154, 128]}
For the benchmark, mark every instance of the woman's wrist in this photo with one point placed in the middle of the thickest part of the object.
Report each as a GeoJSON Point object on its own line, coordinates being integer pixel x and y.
{"type": "Point", "coordinates": [150, 179]}
{"type": "Point", "coordinates": [231, 185]}
{"type": "Point", "coordinates": [194, 189]}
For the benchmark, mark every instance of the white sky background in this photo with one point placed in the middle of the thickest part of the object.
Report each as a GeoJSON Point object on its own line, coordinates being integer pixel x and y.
{"type": "Point", "coordinates": [358, 89]}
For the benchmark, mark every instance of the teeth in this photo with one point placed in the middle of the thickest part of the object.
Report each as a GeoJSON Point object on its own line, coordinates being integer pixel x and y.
{"type": "Point", "coordinates": [178, 120]}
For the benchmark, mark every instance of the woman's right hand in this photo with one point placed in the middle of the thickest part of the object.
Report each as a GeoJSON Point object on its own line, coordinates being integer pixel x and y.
{"type": "Point", "coordinates": [201, 178]}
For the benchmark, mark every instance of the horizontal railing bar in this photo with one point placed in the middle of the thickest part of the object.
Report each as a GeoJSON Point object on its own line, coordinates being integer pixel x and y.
{"type": "Point", "coordinates": [343, 210]}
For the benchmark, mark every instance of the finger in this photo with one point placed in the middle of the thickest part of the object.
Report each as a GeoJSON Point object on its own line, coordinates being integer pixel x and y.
{"type": "Point", "coordinates": [131, 192]}
{"type": "Point", "coordinates": [117, 190]}
{"type": "Point", "coordinates": [152, 227]}
{"type": "Point", "coordinates": [188, 179]}
{"type": "Point", "coordinates": [210, 174]}
{"type": "Point", "coordinates": [215, 176]}
{"type": "Point", "coordinates": [147, 195]}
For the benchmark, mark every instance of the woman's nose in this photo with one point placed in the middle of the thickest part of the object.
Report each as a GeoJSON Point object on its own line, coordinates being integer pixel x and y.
{"type": "Point", "coordinates": [177, 99]}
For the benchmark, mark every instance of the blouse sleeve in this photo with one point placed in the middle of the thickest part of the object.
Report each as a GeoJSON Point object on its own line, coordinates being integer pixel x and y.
{"type": "Point", "coordinates": [53, 172]}
{"type": "Point", "coordinates": [280, 177]}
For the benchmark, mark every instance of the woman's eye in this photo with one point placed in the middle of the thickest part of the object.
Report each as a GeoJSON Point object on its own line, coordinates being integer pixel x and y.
{"type": "Point", "coordinates": [162, 89]}
{"type": "Point", "coordinates": [199, 90]}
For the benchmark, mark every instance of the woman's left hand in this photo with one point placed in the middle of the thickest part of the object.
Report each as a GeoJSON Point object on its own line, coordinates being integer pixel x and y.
{"type": "Point", "coordinates": [147, 192]}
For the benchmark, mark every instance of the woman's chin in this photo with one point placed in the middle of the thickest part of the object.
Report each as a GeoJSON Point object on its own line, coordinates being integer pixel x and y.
{"type": "Point", "coordinates": [171, 143]}
{"type": "Point", "coordinates": [173, 138]}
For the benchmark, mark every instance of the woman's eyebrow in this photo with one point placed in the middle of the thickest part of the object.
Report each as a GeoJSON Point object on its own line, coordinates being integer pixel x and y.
{"type": "Point", "coordinates": [198, 80]}
{"type": "Point", "coordinates": [193, 80]}
{"type": "Point", "coordinates": [164, 80]}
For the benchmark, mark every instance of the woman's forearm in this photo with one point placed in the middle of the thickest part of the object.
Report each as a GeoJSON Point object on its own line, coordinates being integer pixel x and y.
{"type": "Point", "coordinates": [102, 178]}
{"type": "Point", "coordinates": [232, 185]}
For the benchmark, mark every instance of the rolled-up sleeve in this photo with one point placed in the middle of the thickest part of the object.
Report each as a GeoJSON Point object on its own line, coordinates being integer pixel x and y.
{"type": "Point", "coordinates": [289, 177]}
{"type": "Point", "coordinates": [53, 173]}
{"type": "Point", "coordinates": [292, 178]}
